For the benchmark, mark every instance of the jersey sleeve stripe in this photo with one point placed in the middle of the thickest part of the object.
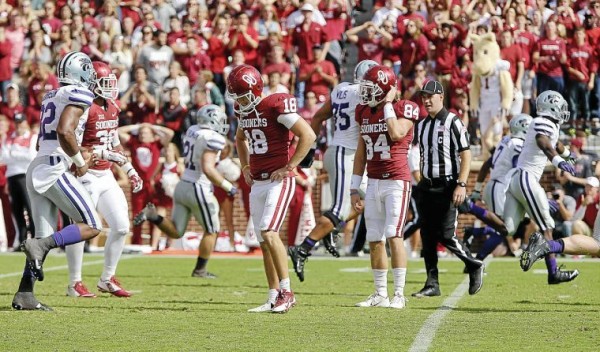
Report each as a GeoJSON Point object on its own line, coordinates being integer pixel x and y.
{"type": "Point", "coordinates": [215, 144]}
{"type": "Point", "coordinates": [81, 101]}
{"type": "Point", "coordinates": [543, 123]}
{"type": "Point", "coordinates": [544, 131]}
{"type": "Point", "coordinates": [84, 92]}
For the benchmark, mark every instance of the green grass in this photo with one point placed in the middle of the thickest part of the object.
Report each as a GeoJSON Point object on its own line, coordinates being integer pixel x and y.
{"type": "Point", "coordinates": [172, 311]}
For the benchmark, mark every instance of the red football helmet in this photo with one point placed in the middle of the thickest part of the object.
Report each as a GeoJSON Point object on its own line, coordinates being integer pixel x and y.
{"type": "Point", "coordinates": [244, 83]}
{"type": "Point", "coordinates": [106, 81]}
{"type": "Point", "coordinates": [376, 84]}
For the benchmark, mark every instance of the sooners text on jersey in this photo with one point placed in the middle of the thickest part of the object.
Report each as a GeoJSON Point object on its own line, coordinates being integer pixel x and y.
{"type": "Point", "coordinates": [101, 130]}
{"type": "Point", "coordinates": [386, 159]}
{"type": "Point", "coordinates": [268, 137]}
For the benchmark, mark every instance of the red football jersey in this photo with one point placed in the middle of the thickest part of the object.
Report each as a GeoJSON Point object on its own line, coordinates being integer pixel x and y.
{"type": "Point", "coordinates": [101, 130]}
{"type": "Point", "coordinates": [267, 134]}
{"type": "Point", "coordinates": [386, 159]}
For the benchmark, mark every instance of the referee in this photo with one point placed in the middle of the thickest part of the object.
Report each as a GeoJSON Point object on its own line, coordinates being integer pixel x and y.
{"type": "Point", "coordinates": [445, 163]}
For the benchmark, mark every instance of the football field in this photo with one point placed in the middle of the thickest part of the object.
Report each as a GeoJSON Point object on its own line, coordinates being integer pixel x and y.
{"type": "Point", "coordinates": [171, 311]}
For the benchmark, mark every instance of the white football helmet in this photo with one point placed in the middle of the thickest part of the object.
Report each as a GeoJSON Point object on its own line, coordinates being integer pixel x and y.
{"type": "Point", "coordinates": [75, 68]}
{"type": "Point", "coordinates": [519, 125]}
{"type": "Point", "coordinates": [213, 117]}
{"type": "Point", "coordinates": [361, 68]}
{"type": "Point", "coordinates": [551, 104]}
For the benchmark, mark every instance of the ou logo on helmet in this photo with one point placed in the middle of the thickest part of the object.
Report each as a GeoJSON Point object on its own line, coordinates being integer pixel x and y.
{"type": "Point", "coordinates": [382, 77]}
{"type": "Point", "coordinates": [250, 80]}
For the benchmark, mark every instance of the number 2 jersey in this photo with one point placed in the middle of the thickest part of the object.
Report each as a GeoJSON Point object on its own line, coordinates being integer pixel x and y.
{"type": "Point", "coordinates": [344, 100]}
{"type": "Point", "coordinates": [505, 158]}
{"type": "Point", "coordinates": [386, 159]}
{"type": "Point", "coordinates": [267, 129]}
{"type": "Point", "coordinates": [196, 141]}
{"type": "Point", "coordinates": [53, 105]}
{"type": "Point", "coordinates": [101, 130]}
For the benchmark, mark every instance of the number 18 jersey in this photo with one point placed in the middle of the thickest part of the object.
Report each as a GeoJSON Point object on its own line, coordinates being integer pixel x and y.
{"type": "Point", "coordinates": [53, 104]}
{"type": "Point", "coordinates": [344, 99]}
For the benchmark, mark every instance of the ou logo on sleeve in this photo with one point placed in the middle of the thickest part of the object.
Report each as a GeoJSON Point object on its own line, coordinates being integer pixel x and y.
{"type": "Point", "coordinates": [250, 80]}
{"type": "Point", "coordinates": [382, 77]}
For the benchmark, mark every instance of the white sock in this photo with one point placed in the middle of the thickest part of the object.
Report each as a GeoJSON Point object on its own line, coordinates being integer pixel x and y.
{"type": "Point", "coordinates": [285, 284]}
{"type": "Point", "coordinates": [399, 280]}
{"type": "Point", "coordinates": [380, 279]}
{"type": "Point", "coordinates": [75, 261]}
{"type": "Point", "coordinates": [273, 295]}
{"type": "Point", "coordinates": [113, 248]}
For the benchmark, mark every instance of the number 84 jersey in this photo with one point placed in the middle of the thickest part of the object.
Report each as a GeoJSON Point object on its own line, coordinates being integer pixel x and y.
{"type": "Point", "coordinates": [386, 159]}
{"type": "Point", "coordinates": [344, 99]}
{"type": "Point", "coordinates": [267, 130]}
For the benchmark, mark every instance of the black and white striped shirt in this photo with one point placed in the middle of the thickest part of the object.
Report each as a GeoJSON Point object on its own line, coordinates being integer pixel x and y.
{"type": "Point", "coordinates": [441, 140]}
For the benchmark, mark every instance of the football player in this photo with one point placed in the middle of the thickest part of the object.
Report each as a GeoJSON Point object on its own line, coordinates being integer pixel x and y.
{"type": "Point", "coordinates": [202, 144]}
{"type": "Point", "coordinates": [386, 128]}
{"type": "Point", "coordinates": [50, 185]}
{"type": "Point", "coordinates": [525, 192]}
{"type": "Point", "coordinates": [263, 141]}
{"type": "Point", "coordinates": [100, 137]}
{"type": "Point", "coordinates": [338, 161]}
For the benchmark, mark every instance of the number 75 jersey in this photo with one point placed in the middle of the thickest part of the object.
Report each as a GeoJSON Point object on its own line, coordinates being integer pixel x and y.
{"type": "Point", "coordinates": [53, 104]}
{"type": "Point", "coordinates": [344, 99]}
{"type": "Point", "coordinates": [386, 159]}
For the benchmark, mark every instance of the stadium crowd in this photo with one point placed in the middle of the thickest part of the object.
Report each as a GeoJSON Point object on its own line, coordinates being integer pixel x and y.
{"type": "Point", "coordinates": [173, 57]}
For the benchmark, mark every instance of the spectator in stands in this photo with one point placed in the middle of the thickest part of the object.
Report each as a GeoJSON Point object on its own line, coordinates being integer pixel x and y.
{"type": "Point", "coordinates": [574, 184]}
{"type": "Point", "coordinates": [11, 106]}
{"type": "Point", "coordinates": [120, 60]}
{"type": "Point", "coordinates": [297, 17]}
{"type": "Point", "coordinates": [164, 179]}
{"type": "Point", "coordinates": [582, 67]}
{"type": "Point", "coordinates": [370, 47]}
{"type": "Point", "coordinates": [177, 78]}
{"type": "Point", "coordinates": [306, 35]}
{"type": "Point", "coordinates": [27, 12]}
{"type": "Point", "coordinates": [172, 115]}
{"type": "Point", "coordinates": [565, 16]}
{"type": "Point", "coordinates": [320, 76]}
{"type": "Point", "coordinates": [335, 13]}
{"type": "Point", "coordinates": [411, 14]}
{"type": "Point", "coordinates": [548, 57]}
{"type": "Point", "coordinates": [413, 50]}
{"type": "Point", "coordinates": [195, 60]}
{"type": "Point", "coordinates": [93, 47]}
{"type": "Point", "coordinates": [587, 208]}
{"type": "Point", "coordinates": [411, 91]}
{"type": "Point", "coordinates": [15, 33]}
{"type": "Point", "coordinates": [163, 11]}
{"type": "Point", "coordinates": [526, 40]}
{"type": "Point", "coordinates": [218, 43]}
{"type": "Point", "coordinates": [145, 142]}
{"type": "Point", "coordinates": [562, 207]}
{"type": "Point", "coordinates": [511, 52]}
{"type": "Point", "coordinates": [18, 150]}
{"type": "Point", "coordinates": [65, 15]}
{"type": "Point", "coordinates": [139, 101]}
{"type": "Point", "coordinates": [50, 23]}
{"type": "Point", "coordinates": [267, 22]}
{"type": "Point", "coordinates": [156, 58]}
{"type": "Point", "coordinates": [274, 84]}
{"type": "Point", "coordinates": [5, 56]}
{"type": "Point", "coordinates": [42, 81]}
{"type": "Point", "coordinates": [39, 51]}
{"type": "Point", "coordinates": [276, 63]}
{"type": "Point", "coordinates": [65, 43]}
{"type": "Point", "coordinates": [389, 12]}
{"type": "Point", "coordinates": [244, 37]}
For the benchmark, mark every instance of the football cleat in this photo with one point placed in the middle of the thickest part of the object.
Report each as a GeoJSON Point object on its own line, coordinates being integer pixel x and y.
{"type": "Point", "coordinates": [27, 301]}
{"type": "Point", "coordinates": [203, 273]}
{"type": "Point", "coordinates": [561, 276]}
{"type": "Point", "coordinates": [298, 257]}
{"type": "Point", "coordinates": [398, 302]}
{"type": "Point", "coordinates": [148, 213]}
{"type": "Point", "coordinates": [112, 286]}
{"type": "Point", "coordinates": [537, 248]}
{"type": "Point", "coordinates": [329, 241]}
{"type": "Point", "coordinates": [265, 308]}
{"type": "Point", "coordinates": [35, 252]}
{"type": "Point", "coordinates": [375, 300]}
{"type": "Point", "coordinates": [476, 279]}
{"type": "Point", "coordinates": [285, 300]}
{"type": "Point", "coordinates": [79, 290]}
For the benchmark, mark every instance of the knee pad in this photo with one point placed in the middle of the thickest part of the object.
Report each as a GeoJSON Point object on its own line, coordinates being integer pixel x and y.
{"type": "Point", "coordinates": [333, 218]}
{"type": "Point", "coordinates": [120, 231]}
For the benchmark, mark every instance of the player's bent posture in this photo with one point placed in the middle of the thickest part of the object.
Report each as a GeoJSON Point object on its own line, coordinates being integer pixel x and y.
{"type": "Point", "coordinates": [525, 192]}
{"type": "Point", "coordinates": [202, 144]}
{"type": "Point", "coordinates": [338, 161]}
{"type": "Point", "coordinates": [263, 140]}
{"type": "Point", "coordinates": [100, 137]}
{"type": "Point", "coordinates": [386, 128]}
{"type": "Point", "coordinates": [50, 185]}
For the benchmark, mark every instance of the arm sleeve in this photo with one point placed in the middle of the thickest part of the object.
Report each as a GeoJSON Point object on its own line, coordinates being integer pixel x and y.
{"type": "Point", "coordinates": [78, 96]}
{"type": "Point", "coordinates": [543, 127]}
{"type": "Point", "coordinates": [288, 120]}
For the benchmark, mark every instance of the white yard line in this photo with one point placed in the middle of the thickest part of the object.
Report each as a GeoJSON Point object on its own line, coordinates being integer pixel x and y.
{"type": "Point", "coordinates": [59, 267]}
{"type": "Point", "coordinates": [426, 335]}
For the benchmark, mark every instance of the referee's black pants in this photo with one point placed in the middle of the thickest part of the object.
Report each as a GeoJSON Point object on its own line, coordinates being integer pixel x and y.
{"type": "Point", "coordinates": [438, 219]}
{"type": "Point", "coordinates": [19, 203]}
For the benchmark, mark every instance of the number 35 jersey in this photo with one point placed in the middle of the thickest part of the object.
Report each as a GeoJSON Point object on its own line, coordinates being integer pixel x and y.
{"type": "Point", "coordinates": [386, 159]}
{"type": "Point", "coordinates": [101, 130]}
{"type": "Point", "coordinates": [267, 130]}
{"type": "Point", "coordinates": [344, 99]}
{"type": "Point", "coordinates": [196, 141]}
{"type": "Point", "coordinates": [53, 105]}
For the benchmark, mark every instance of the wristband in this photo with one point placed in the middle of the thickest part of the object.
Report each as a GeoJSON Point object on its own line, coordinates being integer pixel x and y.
{"type": "Point", "coordinates": [388, 112]}
{"type": "Point", "coordinates": [244, 168]}
{"type": "Point", "coordinates": [478, 186]}
{"type": "Point", "coordinates": [78, 159]}
{"type": "Point", "coordinates": [226, 185]}
{"type": "Point", "coordinates": [566, 152]}
{"type": "Point", "coordinates": [557, 160]}
{"type": "Point", "coordinates": [355, 181]}
{"type": "Point", "coordinates": [127, 167]}
{"type": "Point", "coordinates": [353, 192]}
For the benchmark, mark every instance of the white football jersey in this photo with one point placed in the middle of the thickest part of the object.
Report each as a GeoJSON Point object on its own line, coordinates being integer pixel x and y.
{"type": "Point", "coordinates": [344, 99]}
{"type": "Point", "coordinates": [53, 104]}
{"type": "Point", "coordinates": [505, 158]}
{"type": "Point", "coordinates": [532, 158]}
{"type": "Point", "coordinates": [195, 142]}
